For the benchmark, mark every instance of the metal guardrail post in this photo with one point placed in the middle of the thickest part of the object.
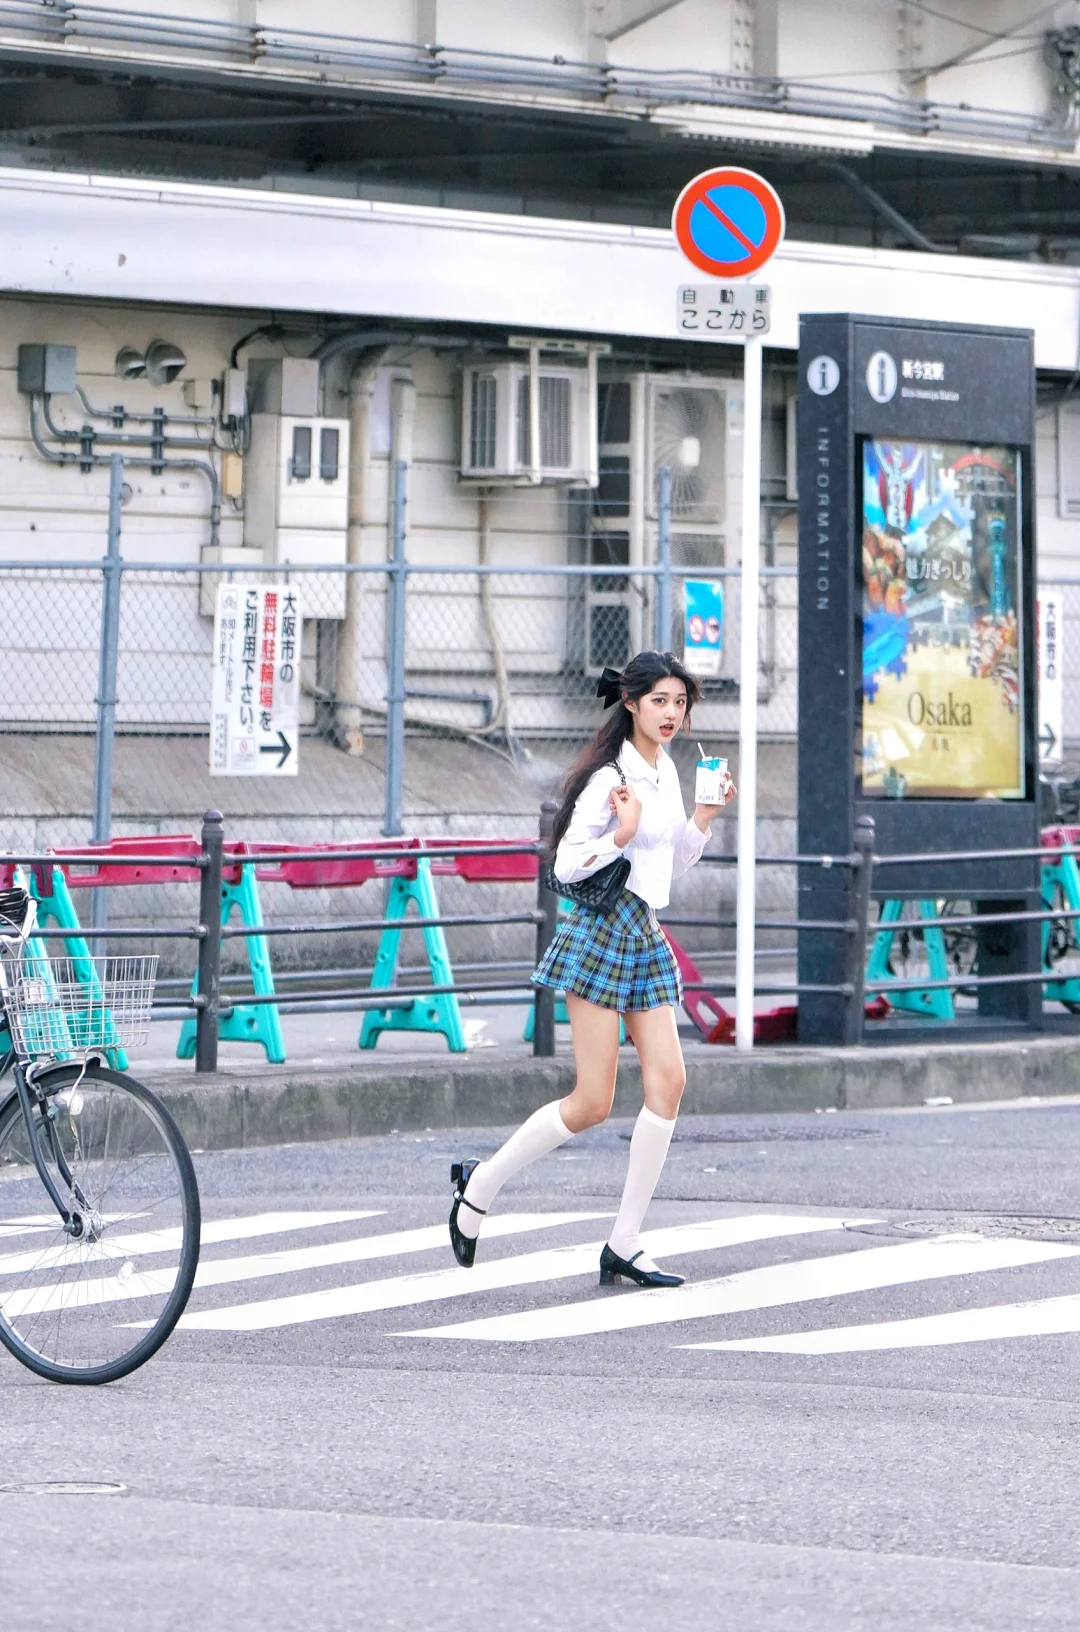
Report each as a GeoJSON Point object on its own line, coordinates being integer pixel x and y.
{"type": "Point", "coordinates": [112, 569]}
{"type": "Point", "coordinates": [663, 559]}
{"type": "Point", "coordinates": [395, 659]}
{"type": "Point", "coordinates": [859, 883]}
{"type": "Point", "coordinates": [206, 1019]}
{"type": "Point", "coordinates": [547, 903]}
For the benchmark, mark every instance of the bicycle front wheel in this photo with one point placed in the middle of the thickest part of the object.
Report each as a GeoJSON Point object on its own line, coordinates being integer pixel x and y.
{"type": "Point", "coordinates": [90, 1308]}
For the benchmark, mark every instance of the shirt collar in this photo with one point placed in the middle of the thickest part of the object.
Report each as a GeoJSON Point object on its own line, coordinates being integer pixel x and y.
{"type": "Point", "coordinates": [635, 765]}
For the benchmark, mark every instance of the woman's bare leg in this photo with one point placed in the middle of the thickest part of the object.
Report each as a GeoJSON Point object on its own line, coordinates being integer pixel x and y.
{"type": "Point", "coordinates": [655, 1035]}
{"type": "Point", "coordinates": [595, 1034]}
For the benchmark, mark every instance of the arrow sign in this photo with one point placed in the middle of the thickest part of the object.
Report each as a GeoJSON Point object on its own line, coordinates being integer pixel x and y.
{"type": "Point", "coordinates": [255, 706]}
{"type": "Point", "coordinates": [282, 746]}
{"type": "Point", "coordinates": [1049, 624]}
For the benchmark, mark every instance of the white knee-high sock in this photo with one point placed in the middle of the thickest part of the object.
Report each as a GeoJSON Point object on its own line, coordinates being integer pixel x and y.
{"type": "Point", "coordinates": [648, 1152]}
{"type": "Point", "coordinates": [543, 1132]}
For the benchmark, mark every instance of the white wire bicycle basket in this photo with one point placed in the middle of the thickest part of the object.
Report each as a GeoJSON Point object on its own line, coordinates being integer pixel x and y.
{"type": "Point", "coordinates": [69, 1007]}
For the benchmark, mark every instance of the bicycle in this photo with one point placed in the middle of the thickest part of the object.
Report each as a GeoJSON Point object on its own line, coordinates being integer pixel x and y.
{"type": "Point", "coordinates": [88, 1288]}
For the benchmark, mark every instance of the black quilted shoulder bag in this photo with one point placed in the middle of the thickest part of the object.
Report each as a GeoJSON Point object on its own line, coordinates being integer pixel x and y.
{"type": "Point", "coordinates": [600, 891]}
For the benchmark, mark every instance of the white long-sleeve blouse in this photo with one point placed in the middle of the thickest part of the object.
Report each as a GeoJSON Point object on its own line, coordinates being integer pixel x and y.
{"type": "Point", "coordinates": [666, 844]}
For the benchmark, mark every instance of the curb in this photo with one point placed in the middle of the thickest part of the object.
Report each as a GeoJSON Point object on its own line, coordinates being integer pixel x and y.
{"type": "Point", "coordinates": [234, 1111]}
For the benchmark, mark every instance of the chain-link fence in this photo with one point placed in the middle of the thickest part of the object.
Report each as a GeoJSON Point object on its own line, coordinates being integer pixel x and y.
{"type": "Point", "coordinates": [500, 669]}
{"type": "Point", "coordinates": [500, 690]}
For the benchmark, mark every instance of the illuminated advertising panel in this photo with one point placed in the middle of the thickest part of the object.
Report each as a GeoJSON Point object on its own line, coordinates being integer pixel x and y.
{"type": "Point", "coordinates": [942, 699]}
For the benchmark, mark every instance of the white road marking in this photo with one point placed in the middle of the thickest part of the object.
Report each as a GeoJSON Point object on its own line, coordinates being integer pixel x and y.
{"type": "Point", "coordinates": [134, 1282]}
{"type": "Point", "coordinates": [1041, 1317]}
{"type": "Point", "coordinates": [168, 1240]}
{"type": "Point", "coordinates": [839, 1275]}
{"type": "Point", "coordinates": [528, 1269]}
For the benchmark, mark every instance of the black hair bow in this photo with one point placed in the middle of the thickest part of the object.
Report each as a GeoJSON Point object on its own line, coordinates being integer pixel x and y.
{"type": "Point", "coordinates": [609, 687]}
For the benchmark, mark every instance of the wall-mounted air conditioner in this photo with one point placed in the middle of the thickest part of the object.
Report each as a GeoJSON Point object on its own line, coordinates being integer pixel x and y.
{"type": "Point", "coordinates": [530, 420]}
{"type": "Point", "coordinates": [692, 424]}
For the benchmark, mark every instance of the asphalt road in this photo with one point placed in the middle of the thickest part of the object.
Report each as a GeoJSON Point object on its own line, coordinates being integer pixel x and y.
{"type": "Point", "coordinates": [891, 1443]}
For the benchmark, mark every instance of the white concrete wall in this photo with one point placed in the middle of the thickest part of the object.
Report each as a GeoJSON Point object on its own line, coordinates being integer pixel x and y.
{"type": "Point", "coordinates": [119, 239]}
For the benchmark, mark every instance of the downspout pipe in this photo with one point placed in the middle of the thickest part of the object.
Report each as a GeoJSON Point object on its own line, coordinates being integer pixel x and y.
{"type": "Point", "coordinates": [882, 207]}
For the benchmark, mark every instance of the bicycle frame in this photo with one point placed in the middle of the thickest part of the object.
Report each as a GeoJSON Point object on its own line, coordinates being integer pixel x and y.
{"type": "Point", "coordinates": [26, 1083]}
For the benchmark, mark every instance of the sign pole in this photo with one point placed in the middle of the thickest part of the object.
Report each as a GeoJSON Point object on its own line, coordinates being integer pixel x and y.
{"type": "Point", "coordinates": [748, 698]}
{"type": "Point", "coordinates": [729, 223]}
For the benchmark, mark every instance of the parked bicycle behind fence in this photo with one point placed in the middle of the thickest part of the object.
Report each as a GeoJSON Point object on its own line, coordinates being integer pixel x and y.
{"type": "Point", "coordinates": [95, 1273]}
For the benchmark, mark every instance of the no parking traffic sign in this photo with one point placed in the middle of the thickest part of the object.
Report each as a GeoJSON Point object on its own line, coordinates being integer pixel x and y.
{"type": "Point", "coordinates": [728, 222]}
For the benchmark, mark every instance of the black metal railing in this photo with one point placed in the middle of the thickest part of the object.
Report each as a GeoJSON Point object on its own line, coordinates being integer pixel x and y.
{"type": "Point", "coordinates": [505, 981]}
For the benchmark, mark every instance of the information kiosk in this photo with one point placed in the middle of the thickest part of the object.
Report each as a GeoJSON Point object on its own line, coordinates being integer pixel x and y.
{"type": "Point", "coordinates": [917, 666]}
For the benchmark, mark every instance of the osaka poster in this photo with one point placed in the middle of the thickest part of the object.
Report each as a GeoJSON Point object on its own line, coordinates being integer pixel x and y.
{"type": "Point", "coordinates": [942, 710]}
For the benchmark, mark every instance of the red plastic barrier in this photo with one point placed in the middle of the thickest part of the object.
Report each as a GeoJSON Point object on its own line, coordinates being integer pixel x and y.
{"type": "Point", "coordinates": [332, 871]}
{"type": "Point", "coordinates": [1058, 838]}
{"type": "Point", "coordinates": [512, 869]}
{"type": "Point", "coordinates": [87, 868]}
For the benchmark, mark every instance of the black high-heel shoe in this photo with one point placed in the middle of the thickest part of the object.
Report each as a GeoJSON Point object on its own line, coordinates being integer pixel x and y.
{"type": "Point", "coordinates": [612, 1266]}
{"type": "Point", "coordinates": [464, 1245]}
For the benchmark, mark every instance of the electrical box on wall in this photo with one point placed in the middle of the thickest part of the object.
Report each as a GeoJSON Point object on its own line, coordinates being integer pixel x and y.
{"type": "Point", "coordinates": [46, 370]}
{"type": "Point", "coordinates": [283, 385]}
{"type": "Point", "coordinates": [296, 506]}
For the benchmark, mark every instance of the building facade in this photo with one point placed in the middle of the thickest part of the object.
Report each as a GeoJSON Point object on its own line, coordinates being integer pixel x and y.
{"type": "Point", "coordinates": [433, 233]}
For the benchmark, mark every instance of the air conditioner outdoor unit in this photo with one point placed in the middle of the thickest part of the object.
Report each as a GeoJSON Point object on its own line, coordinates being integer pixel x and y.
{"type": "Point", "coordinates": [692, 424]}
{"type": "Point", "coordinates": [528, 423]}
{"type": "Point", "coordinates": [688, 432]}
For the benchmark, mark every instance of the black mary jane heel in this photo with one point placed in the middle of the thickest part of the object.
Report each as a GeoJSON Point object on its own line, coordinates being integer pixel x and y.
{"type": "Point", "coordinates": [612, 1267]}
{"type": "Point", "coordinates": [464, 1246]}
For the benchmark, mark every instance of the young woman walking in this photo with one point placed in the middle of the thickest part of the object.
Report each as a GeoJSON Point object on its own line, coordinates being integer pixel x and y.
{"type": "Point", "coordinates": [621, 798]}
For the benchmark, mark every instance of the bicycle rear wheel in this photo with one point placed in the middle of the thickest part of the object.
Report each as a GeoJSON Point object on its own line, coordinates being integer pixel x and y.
{"type": "Point", "coordinates": [91, 1309]}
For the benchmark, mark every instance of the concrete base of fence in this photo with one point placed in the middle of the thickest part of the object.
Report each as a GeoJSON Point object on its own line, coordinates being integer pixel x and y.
{"type": "Point", "coordinates": [286, 1104]}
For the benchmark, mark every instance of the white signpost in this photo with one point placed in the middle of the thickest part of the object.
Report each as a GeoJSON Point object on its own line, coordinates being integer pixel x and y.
{"type": "Point", "coordinates": [1048, 617]}
{"type": "Point", "coordinates": [255, 711]}
{"type": "Point", "coordinates": [729, 223]}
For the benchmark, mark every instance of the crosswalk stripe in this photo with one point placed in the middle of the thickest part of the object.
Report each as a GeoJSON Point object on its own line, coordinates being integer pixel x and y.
{"type": "Point", "coordinates": [1040, 1317]}
{"type": "Point", "coordinates": [527, 1269]}
{"type": "Point", "coordinates": [167, 1240]}
{"type": "Point", "coordinates": [134, 1282]}
{"type": "Point", "coordinates": [839, 1275]}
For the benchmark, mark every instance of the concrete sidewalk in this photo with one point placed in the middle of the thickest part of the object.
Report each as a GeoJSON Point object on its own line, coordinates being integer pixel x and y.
{"type": "Point", "coordinates": [329, 1090]}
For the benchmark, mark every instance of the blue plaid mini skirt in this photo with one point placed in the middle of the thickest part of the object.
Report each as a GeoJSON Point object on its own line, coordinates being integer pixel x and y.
{"type": "Point", "coordinates": [620, 960]}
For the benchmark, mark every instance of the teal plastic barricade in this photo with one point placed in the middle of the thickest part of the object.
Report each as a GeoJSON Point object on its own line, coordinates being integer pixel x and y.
{"type": "Point", "coordinates": [242, 1022]}
{"type": "Point", "coordinates": [439, 1013]}
{"type": "Point", "coordinates": [1061, 890]}
{"type": "Point", "coordinates": [49, 888]}
{"type": "Point", "coordinates": [936, 1002]}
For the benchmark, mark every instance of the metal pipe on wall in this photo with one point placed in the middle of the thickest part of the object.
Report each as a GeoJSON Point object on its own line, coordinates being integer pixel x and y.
{"type": "Point", "coordinates": [62, 457]}
{"type": "Point", "coordinates": [353, 656]}
{"type": "Point", "coordinates": [106, 697]}
{"type": "Point", "coordinates": [402, 412]}
{"type": "Point", "coordinates": [663, 558]}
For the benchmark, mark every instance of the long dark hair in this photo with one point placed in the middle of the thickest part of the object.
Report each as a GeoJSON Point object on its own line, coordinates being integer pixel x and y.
{"type": "Point", "coordinates": [636, 680]}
